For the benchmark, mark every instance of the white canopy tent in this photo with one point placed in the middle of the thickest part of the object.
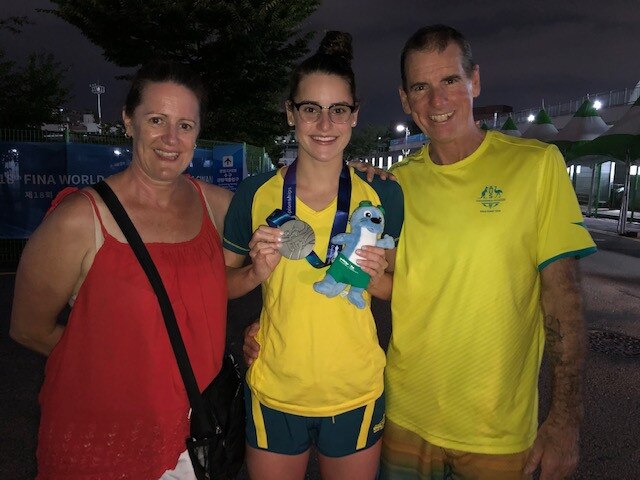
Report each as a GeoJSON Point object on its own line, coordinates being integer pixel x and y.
{"type": "Point", "coordinates": [585, 125]}
{"type": "Point", "coordinates": [510, 128]}
{"type": "Point", "coordinates": [542, 128]}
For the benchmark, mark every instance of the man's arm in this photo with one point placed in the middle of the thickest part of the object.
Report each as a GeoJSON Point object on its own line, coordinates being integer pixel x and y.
{"type": "Point", "coordinates": [556, 448]}
{"type": "Point", "coordinates": [250, 346]}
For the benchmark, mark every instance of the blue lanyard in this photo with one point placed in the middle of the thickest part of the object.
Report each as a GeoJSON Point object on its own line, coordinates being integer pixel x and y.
{"type": "Point", "coordinates": [339, 221]}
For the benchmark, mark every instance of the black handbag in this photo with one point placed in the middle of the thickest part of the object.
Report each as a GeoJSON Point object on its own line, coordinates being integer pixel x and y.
{"type": "Point", "coordinates": [218, 454]}
{"type": "Point", "coordinates": [216, 443]}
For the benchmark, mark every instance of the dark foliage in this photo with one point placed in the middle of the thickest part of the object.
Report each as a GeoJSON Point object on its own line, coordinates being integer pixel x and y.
{"type": "Point", "coordinates": [244, 50]}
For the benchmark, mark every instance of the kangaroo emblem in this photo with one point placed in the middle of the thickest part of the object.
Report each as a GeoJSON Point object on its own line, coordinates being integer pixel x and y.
{"type": "Point", "coordinates": [367, 224]}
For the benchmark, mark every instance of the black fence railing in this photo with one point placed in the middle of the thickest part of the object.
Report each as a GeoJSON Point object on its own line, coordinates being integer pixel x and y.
{"type": "Point", "coordinates": [10, 251]}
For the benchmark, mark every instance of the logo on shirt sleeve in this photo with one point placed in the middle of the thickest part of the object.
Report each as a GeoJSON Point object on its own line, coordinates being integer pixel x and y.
{"type": "Point", "coordinates": [491, 199]}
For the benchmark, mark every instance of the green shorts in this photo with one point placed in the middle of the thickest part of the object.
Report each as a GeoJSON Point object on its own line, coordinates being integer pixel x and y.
{"type": "Point", "coordinates": [288, 434]}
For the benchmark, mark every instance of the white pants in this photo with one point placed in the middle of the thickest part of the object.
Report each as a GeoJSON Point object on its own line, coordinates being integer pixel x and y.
{"type": "Point", "coordinates": [182, 471]}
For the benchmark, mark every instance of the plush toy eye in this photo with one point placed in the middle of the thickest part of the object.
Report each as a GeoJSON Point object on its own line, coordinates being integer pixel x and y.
{"type": "Point", "coordinates": [368, 214]}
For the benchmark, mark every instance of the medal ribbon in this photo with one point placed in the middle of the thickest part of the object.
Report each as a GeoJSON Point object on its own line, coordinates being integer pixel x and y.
{"type": "Point", "coordinates": [278, 217]}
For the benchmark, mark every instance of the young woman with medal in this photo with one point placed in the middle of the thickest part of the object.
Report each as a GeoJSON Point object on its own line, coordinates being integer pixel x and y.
{"type": "Point", "coordinates": [318, 380]}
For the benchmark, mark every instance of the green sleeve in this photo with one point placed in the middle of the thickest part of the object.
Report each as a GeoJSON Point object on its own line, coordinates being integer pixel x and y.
{"type": "Point", "coordinates": [392, 201]}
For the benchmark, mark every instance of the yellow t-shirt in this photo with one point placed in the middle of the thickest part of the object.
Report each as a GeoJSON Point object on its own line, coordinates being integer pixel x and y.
{"type": "Point", "coordinates": [468, 335]}
{"type": "Point", "coordinates": [319, 356]}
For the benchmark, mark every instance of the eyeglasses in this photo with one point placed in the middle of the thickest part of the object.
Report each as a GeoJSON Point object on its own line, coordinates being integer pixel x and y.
{"type": "Point", "coordinates": [338, 112]}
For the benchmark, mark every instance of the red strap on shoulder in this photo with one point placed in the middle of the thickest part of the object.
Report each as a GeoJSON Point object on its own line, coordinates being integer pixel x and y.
{"type": "Point", "coordinates": [62, 194]}
{"type": "Point", "coordinates": [96, 211]}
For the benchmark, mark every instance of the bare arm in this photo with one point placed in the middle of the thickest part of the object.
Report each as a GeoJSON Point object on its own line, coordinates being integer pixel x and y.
{"type": "Point", "coordinates": [50, 267]}
{"type": "Point", "coordinates": [251, 347]}
{"type": "Point", "coordinates": [264, 255]}
{"type": "Point", "coordinates": [556, 448]}
{"type": "Point", "coordinates": [241, 278]}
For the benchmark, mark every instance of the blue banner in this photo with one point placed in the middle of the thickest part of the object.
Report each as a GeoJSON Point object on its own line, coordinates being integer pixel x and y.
{"type": "Point", "coordinates": [224, 166]}
{"type": "Point", "coordinates": [31, 175]}
{"type": "Point", "coordinates": [88, 164]}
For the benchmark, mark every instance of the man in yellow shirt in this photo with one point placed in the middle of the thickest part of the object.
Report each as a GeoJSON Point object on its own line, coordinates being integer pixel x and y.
{"type": "Point", "coordinates": [485, 279]}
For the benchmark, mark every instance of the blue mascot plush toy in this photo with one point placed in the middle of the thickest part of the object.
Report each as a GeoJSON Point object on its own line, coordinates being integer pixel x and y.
{"type": "Point", "coordinates": [367, 224]}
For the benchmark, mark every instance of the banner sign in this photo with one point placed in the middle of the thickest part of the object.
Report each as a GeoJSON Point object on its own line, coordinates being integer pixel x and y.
{"type": "Point", "coordinates": [88, 164]}
{"type": "Point", "coordinates": [224, 166]}
{"type": "Point", "coordinates": [32, 174]}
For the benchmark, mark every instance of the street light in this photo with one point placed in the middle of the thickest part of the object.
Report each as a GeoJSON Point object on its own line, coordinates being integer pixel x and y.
{"type": "Point", "coordinates": [98, 90]}
{"type": "Point", "coordinates": [400, 128]}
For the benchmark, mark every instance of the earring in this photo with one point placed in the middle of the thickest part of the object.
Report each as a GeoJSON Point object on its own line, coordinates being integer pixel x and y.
{"type": "Point", "coordinates": [126, 135]}
{"type": "Point", "coordinates": [291, 124]}
{"type": "Point", "coordinates": [353, 124]}
{"type": "Point", "coordinates": [195, 146]}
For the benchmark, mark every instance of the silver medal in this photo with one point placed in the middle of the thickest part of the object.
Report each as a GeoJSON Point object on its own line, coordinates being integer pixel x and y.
{"type": "Point", "coordinates": [298, 239]}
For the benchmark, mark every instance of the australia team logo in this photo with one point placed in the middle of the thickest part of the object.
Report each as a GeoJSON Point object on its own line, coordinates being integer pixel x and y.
{"type": "Point", "coordinates": [491, 198]}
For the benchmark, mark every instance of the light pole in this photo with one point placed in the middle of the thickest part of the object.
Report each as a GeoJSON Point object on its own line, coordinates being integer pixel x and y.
{"type": "Point", "coordinates": [406, 149]}
{"type": "Point", "coordinates": [98, 90]}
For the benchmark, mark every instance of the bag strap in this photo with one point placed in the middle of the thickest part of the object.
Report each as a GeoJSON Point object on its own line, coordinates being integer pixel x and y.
{"type": "Point", "coordinates": [199, 419]}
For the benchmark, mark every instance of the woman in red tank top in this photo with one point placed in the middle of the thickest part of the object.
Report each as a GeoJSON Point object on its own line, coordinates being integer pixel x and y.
{"type": "Point", "coordinates": [113, 401]}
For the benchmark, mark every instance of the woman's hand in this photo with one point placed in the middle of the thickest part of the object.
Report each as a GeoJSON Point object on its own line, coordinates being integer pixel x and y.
{"type": "Point", "coordinates": [373, 262]}
{"type": "Point", "coordinates": [379, 263]}
{"type": "Point", "coordinates": [371, 171]}
{"type": "Point", "coordinates": [264, 252]}
{"type": "Point", "coordinates": [264, 255]}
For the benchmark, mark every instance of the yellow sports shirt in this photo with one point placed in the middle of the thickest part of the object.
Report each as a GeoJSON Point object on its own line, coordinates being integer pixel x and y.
{"type": "Point", "coordinates": [468, 334]}
{"type": "Point", "coordinates": [319, 356]}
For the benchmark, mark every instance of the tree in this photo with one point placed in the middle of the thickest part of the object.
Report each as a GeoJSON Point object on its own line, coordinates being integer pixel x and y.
{"type": "Point", "coordinates": [244, 50]}
{"type": "Point", "coordinates": [32, 94]}
{"type": "Point", "coordinates": [368, 141]}
{"type": "Point", "coordinates": [13, 24]}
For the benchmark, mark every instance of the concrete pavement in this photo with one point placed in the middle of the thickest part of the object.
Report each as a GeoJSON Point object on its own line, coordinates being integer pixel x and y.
{"type": "Point", "coordinates": [610, 225]}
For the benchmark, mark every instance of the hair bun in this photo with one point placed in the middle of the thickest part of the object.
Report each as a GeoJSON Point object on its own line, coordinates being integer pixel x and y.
{"type": "Point", "coordinates": [337, 44]}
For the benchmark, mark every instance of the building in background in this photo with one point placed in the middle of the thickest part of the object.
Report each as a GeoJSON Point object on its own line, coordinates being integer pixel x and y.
{"type": "Point", "coordinates": [74, 121]}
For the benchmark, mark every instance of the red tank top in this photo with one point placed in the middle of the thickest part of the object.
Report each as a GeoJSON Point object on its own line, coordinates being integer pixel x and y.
{"type": "Point", "coordinates": [113, 402]}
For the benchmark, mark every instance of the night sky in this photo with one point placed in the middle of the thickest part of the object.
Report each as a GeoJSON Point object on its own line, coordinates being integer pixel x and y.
{"type": "Point", "coordinates": [542, 50]}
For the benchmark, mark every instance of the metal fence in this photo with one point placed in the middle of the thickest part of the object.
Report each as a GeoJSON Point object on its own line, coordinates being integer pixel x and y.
{"type": "Point", "coordinates": [256, 157]}
{"type": "Point", "coordinates": [612, 98]}
{"type": "Point", "coordinates": [10, 251]}
{"type": "Point", "coordinates": [58, 136]}
{"type": "Point", "coordinates": [30, 136]}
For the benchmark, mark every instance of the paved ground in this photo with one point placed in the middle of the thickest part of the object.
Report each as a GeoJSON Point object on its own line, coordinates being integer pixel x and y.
{"type": "Point", "coordinates": [610, 440]}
